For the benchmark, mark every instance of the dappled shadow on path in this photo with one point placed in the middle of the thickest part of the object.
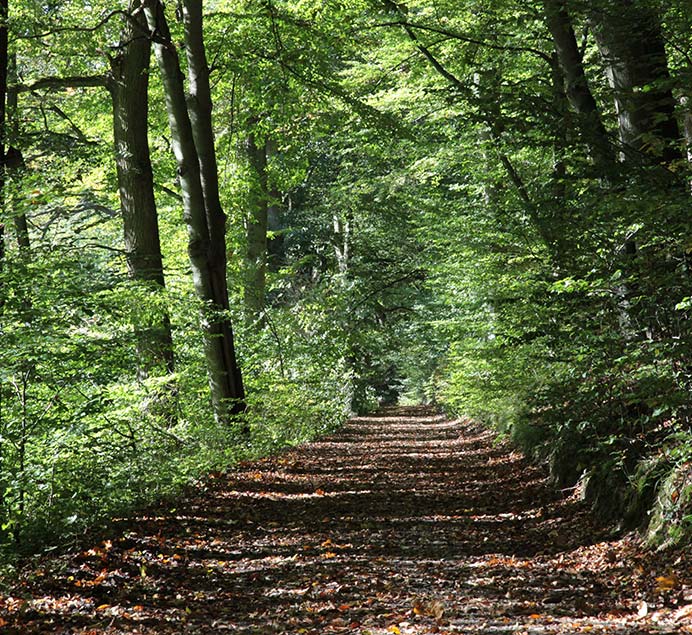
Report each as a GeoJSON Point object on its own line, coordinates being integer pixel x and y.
{"type": "Point", "coordinates": [400, 523]}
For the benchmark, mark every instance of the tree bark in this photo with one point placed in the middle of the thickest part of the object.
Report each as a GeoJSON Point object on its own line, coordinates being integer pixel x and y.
{"type": "Point", "coordinates": [342, 241]}
{"type": "Point", "coordinates": [128, 87]}
{"type": "Point", "coordinates": [577, 87]}
{"type": "Point", "coordinates": [629, 38]}
{"type": "Point", "coordinates": [4, 60]}
{"type": "Point", "coordinates": [686, 104]}
{"type": "Point", "coordinates": [202, 213]}
{"type": "Point", "coordinates": [200, 111]}
{"type": "Point", "coordinates": [14, 160]}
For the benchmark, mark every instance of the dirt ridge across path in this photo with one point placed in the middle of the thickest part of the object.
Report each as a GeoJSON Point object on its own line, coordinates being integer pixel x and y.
{"type": "Point", "coordinates": [403, 523]}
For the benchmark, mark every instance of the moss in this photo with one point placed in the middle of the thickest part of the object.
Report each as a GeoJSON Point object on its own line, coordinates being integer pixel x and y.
{"type": "Point", "coordinates": [606, 489]}
{"type": "Point", "coordinates": [565, 458]}
{"type": "Point", "coordinates": [644, 485]}
{"type": "Point", "coordinates": [671, 518]}
{"type": "Point", "coordinates": [616, 497]}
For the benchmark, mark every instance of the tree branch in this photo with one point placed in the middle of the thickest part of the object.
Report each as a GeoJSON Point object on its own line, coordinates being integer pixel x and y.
{"type": "Point", "coordinates": [77, 29]}
{"type": "Point", "coordinates": [62, 83]}
{"type": "Point", "coordinates": [411, 276]}
{"type": "Point", "coordinates": [405, 24]}
{"type": "Point", "coordinates": [169, 191]}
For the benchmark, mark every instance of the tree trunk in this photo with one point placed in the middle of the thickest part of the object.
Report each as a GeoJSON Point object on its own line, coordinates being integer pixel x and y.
{"type": "Point", "coordinates": [200, 112]}
{"type": "Point", "coordinates": [129, 91]}
{"type": "Point", "coordinates": [342, 241]}
{"type": "Point", "coordinates": [686, 103]}
{"type": "Point", "coordinates": [577, 87]}
{"type": "Point", "coordinates": [200, 206]}
{"type": "Point", "coordinates": [256, 231]}
{"type": "Point", "coordinates": [4, 58]}
{"type": "Point", "coordinates": [14, 160]}
{"type": "Point", "coordinates": [4, 65]}
{"type": "Point", "coordinates": [631, 43]}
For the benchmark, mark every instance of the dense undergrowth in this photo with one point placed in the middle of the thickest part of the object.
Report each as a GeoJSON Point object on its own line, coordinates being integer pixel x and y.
{"type": "Point", "coordinates": [84, 437]}
{"type": "Point", "coordinates": [589, 372]}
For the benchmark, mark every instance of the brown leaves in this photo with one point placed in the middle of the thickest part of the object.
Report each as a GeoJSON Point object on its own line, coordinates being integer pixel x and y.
{"type": "Point", "coordinates": [427, 607]}
{"type": "Point", "coordinates": [394, 526]}
{"type": "Point", "coordinates": [104, 573]}
{"type": "Point", "coordinates": [667, 583]}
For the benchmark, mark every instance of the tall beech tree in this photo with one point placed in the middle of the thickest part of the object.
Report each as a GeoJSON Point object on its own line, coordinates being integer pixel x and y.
{"type": "Point", "coordinates": [637, 68]}
{"type": "Point", "coordinates": [263, 226]}
{"type": "Point", "coordinates": [193, 146]}
{"type": "Point", "coordinates": [127, 84]}
{"type": "Point", "coordinates": [4, 59]}
{"type": "Point", "coordinates": [129, 88]}
{"type": "Point", "coordinates": [577, 87]}
{"type": "Point", "coordinates": [4, 67]}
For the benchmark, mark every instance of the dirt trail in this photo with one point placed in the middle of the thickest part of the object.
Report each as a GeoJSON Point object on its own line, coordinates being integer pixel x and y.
{"type": "Point", "coordinates": [400, 523]}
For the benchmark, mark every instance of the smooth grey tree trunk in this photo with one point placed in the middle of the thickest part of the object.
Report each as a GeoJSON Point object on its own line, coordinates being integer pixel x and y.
{"type": "Point", "coordinates": [128, 86]}
{"type": "Point", "coordinates": [686, 104]}
{"type": "Point", "coordinates": [14, 160]}
{"type": "Point", "coordinates": [342, 241]}
{"type": "Point", "coordinates": [200, 112]}
{"type": "Point", "coordinates": [629, 38]}
{"type": "Point", "coordinates": [201, 210]}
{"type": "Point", "coordinates": [4, 57]}
{"type": "Point", "coordinates": [4, 61]}
{"type": "Point", "coordinates": [264, 224]}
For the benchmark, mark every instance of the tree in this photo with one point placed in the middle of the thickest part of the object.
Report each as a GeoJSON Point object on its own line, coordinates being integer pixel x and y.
{"type": "Point", "coordinates": [193, 145]}
{"type": "Point", "coordinates": [638, 72]}
{"type": "Point", "coordinates": [4, 65]}
{"type": "Point", "coordinates": [577, 86]}
{"type": "Point", "coordinates": [129, 90]}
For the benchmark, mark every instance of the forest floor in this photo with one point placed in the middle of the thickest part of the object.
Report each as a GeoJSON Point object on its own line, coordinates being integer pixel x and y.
{"type": "Point", "coordinates": [401, 523]}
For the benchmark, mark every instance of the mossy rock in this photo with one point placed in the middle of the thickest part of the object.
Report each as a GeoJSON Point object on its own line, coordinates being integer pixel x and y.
{"type": "Point", "coordinates": [565, 459]}
{"type": "Point", "coordinates": [606, 489]}
{"type": "Point", "coordinates": [615, 497]}
{"type": "Point", "coordinates": [671, 518]}
{"type": "Point", "coordinates": [644, 485]}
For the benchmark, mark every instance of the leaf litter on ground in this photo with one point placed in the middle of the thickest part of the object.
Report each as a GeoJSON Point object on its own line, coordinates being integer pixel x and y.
{"type": "Point", "coordinates": [403, 522]}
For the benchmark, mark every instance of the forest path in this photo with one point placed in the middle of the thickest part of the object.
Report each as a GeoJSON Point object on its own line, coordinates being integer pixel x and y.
{"type": "Point", "coordinates": [399, 523]}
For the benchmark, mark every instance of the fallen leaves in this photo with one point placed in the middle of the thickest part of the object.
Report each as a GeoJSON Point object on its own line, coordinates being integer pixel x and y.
{"type": "Point", "coordinates": [683, 613]}
{"type": "Point", "coordinates": [427, 527]}
{"type": "Point", "coordinates": [642, 609]}
{"type": "Point", "coordinates": [428, 607]}
{"type": "Point", "coordinates": [667, 583]}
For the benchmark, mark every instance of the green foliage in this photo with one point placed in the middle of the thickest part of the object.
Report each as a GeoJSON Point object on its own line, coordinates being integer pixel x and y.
{"type": "Point", "coordinates": [446, 237]}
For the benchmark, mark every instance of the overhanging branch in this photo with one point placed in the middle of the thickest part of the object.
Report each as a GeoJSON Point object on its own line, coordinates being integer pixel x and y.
{"type": "Point", "coordinates": [63, 83]}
